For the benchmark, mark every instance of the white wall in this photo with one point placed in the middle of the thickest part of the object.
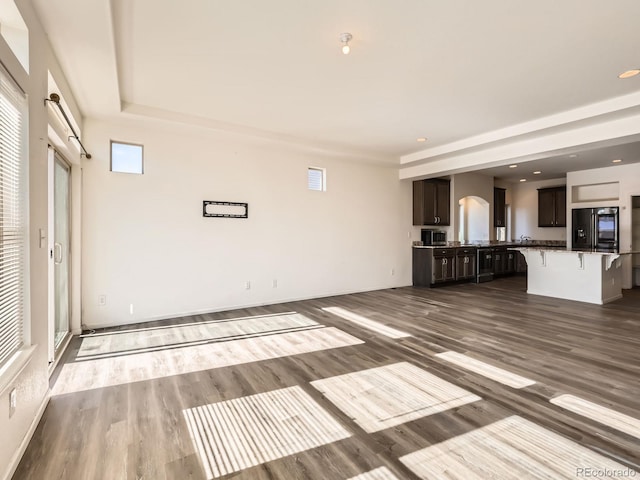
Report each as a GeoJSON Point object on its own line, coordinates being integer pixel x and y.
{"type": "Point", "coordinates": [628, 176]}
{"type": "Point", "coordinates": [146, 243]}
{"type": "Point", "coordinates": [524, 207]}
{"type": "Point", "coordinates": [472, 185]}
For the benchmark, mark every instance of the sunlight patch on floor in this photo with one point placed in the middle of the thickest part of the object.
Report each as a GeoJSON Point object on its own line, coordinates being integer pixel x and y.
{"type": "Point", "coordinates": [131, 341]}
{"type": "Point", "coordinates": [604, 415]}
{"type": "Point", "coordinates": [384, 397]}
{"type": "Point", "coordinates": [486, 370]}
{"type": "Point", "coordinates": [366, 323]}
{"type": "Point", "coordinates": [91, 374]}
{"type": "Point", "coordinates": [508, 449]}
{"type": "Point", "coordinates": [233, 435]}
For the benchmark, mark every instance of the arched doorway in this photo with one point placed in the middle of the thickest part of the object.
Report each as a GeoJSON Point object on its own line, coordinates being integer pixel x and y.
{"type": "Point", "coordinates": [474, 219]}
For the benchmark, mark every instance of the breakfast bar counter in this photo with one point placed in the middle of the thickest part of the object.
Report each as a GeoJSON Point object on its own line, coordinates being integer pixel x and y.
{"type": "Point", "coordinates": [592, 277]}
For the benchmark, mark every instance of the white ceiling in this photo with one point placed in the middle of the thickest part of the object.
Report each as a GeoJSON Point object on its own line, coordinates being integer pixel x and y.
{"type": "Point", "coordinates": [556, 166]}
{"type": "Point", "coordinates": [446, 70]}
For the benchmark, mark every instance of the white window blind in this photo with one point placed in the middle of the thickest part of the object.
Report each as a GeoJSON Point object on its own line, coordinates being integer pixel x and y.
{"type": "Point", "coordinates": [316, 179]}
{"type": "Point", "coordinates": [13, 201]}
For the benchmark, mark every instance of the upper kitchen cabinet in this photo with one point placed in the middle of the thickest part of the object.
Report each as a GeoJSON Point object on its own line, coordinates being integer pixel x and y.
{"type": "Point", "coordinates": [552, 207]}
{"type": "Point", "coordinates": [499, 207]}
{"type": "Point", "coordinates": [431, 202]}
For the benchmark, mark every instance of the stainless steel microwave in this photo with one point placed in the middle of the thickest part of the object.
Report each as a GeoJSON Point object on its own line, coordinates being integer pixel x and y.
{"type": "Point", "coordinates": [430, 236]}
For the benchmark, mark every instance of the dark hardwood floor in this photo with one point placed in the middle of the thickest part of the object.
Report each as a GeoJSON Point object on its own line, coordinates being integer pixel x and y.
{"type": "Point", "coordinates": [120, 411]}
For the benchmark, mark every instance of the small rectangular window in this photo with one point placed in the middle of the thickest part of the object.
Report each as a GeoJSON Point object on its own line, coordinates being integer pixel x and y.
{"type": "Point", "coordinates": [317, 179]}
{"type": "Point", "coordinates": [126, 157]}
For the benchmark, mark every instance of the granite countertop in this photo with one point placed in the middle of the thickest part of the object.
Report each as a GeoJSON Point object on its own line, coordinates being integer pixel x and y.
{"type": "Point", "coordinates": [549, 249]}
{"type": "Point", "coordinates": [528, 244]}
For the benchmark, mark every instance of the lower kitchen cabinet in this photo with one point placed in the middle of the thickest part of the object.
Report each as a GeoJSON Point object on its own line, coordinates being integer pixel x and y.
{"type": "Point", "coordinates": [443, 268]}
{"type": "Point", "coordinates": [511, 261]}
{"type": "Point", "coordinates": [436, 266]}
{"type": "Point", "coordinates": [499, 260]}
{"type": "Point", "coordinates": [504, 261]}
{"type": "Point", "coordinates": [441, 265]}
{"type": "Point", "coordinates": [466, 264]}
{"type": "Point", "coordinates": [520, 262]}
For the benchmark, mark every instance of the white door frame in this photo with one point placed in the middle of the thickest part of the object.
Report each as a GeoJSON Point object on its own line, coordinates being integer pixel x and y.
{"type": "Point", "coordinates": [51, 162]}
{"type": "Point", "coordinates": [51, 267]}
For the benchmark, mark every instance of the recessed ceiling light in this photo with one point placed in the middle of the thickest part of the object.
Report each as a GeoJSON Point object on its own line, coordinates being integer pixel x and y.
{"type": "Point", "coordinates": [537, 172]}
{"type": "Point", "coordinates": [629, 73]}
{"type": "Point", "coordinates": [523, 179]}
{"type": "Point", "coordinates": [513, 166]}
{"type": "Point", "coordinates": [573, 156]}
{"type": "Point", "coordinates": [617, 160]}
{"type": "Point", "coordinates": [421, 139]}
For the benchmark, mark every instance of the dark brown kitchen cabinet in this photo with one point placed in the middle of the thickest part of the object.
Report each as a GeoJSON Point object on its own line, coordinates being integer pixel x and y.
{"type": "Point", "coordinates": [465, 264]}
{"type": "Point", "coordinates": [521, 263]}
{"type": "Point", "coordinates": [431, 202]}
{"type": "Point", "coordinates": [499, 207]}
{"type": "Point", "coordinates": [443, 268]}
{"type": "Point", "coordinates": [433, 266]}
{"type": "Point", "coordinates": [512, 259]}
{"type": "Point", "coordinates": [552, 207]}
{"type": "Point", "coordinates": [499, 260]}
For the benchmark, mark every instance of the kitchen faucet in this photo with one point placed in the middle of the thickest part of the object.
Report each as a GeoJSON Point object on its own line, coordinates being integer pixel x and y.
{"type": "Point", "coordinates": [524, 238]}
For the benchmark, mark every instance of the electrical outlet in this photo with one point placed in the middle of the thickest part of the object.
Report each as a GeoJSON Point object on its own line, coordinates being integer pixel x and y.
{"type": "Point", "coordinates": [13, 402]}
{"type": "Point", "coordinates": [131, 309]}
{"type": "Point", "coordinates": [102, 300]}
{"type": "Point", "coordinates": [274, 284]}
{"type": "Point", "coordinates": [247, 285]}
{"type": "Point", "coordinates": [393, 271]}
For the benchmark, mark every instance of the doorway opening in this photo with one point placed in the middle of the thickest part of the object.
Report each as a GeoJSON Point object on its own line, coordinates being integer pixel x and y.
{"type": "Point", "coordinates": [474, 217]}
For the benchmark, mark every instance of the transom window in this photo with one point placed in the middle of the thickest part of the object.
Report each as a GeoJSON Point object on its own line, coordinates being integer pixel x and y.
{"type": "Point", "coordinates": [126, 157]}
{"type": "Point", "coordinates": [317, 179]}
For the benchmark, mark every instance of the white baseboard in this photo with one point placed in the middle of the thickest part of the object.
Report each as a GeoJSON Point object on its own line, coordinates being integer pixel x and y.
{"type": "Point", "coordinates": [15, 460]}
{"type": "Point", "coordinates": [234, 307]}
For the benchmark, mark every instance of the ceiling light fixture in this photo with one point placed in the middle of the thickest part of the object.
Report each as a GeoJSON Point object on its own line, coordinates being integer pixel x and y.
{"type": "Point", "coordinates": [629, 73]}
{"type": "Point", "coordinates": [617, 160]}
{"type": "Point", "coordinates": [345, 38]}
{"type": "Point", "coordinates": [537, 172]}
{"type": "Point", "coordinates": [523, 179]}
{"type": "Point", "coordinates": [513, 166]}
{"type": "Point", "coordinates": [421, 139]}
{"type": "Point", "coordinates": [573, 156]}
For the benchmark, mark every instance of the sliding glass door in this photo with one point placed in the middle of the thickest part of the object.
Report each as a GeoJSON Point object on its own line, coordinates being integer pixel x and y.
{"type": "Point", "coordinates": [61, 249]}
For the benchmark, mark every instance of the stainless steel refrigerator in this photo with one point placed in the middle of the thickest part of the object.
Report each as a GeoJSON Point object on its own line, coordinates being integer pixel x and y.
{"type": "Point", "coordinates": [595, 229]}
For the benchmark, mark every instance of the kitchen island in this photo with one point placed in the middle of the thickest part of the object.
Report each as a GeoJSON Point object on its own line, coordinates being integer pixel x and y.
{"type": "Point", "coordinates": [592, 277]}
